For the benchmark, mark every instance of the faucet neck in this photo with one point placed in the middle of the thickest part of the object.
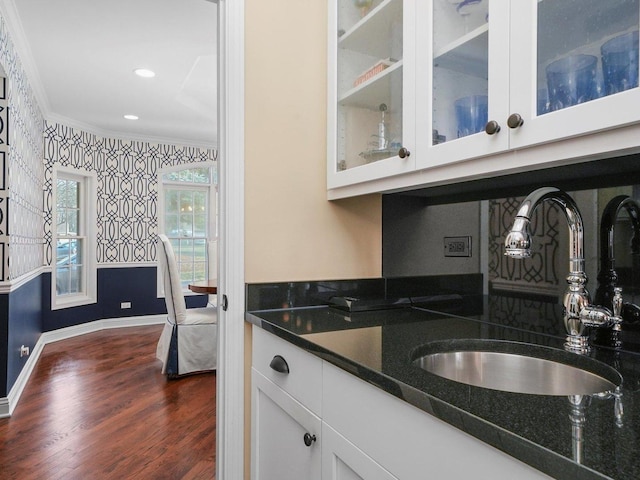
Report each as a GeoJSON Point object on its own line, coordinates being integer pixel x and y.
{"type": "Point", "coordinates": [572, 214]}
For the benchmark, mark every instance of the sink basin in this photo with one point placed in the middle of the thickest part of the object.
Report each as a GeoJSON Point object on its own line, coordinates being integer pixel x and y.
{"type": "Point", "coordinates": [516, 367]}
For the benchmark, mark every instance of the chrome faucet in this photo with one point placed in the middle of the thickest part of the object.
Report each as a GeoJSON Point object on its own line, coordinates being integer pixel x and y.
{"type": "Point", "coordinates": [578, 311]}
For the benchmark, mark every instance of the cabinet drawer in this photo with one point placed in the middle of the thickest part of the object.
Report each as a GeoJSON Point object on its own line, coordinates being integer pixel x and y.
{"type": "Point", "coordinates": [304, 380]}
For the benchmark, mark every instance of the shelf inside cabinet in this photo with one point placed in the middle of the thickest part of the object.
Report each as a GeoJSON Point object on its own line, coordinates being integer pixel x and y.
{"type": "Point", "coordinates": [374, 91]}
{"type": "Point", "coordinates": [371, 34]}
{"type": "Point", "coordinates": [468, 54]}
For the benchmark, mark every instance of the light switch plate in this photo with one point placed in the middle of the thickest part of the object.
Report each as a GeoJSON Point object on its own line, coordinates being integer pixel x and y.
{"type": "Point", "coordinates": [457, 246]}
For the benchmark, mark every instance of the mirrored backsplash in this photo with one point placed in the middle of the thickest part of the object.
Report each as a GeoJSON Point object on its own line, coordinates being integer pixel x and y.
{"type": "Point", "coordinates": [425, 235]}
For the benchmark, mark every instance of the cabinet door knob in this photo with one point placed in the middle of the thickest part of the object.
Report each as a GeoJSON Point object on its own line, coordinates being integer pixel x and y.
{"type": "Point", "coordinates": [279, 364]}
{"type": "Point", "coordinates": [309, 439]}
{"type": "Point", "coordinates": [403, 153]}
{"type": "Point", "coordinates": [492, 127]}
{"type": "Point", "coordinates": [515, 120]}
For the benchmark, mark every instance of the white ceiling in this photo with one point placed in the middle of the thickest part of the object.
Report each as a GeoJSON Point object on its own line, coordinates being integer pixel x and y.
{"type": "Point", "coordinates": [82, 53]}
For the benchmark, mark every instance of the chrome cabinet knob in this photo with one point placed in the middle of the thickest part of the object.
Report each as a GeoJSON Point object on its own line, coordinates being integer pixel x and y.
{"type": "Point", "coordinates": [403, 153]}
{"type": "Point", "coordinates": [515, 120]}
{"type": "Point", "coordinates": [492, 127]}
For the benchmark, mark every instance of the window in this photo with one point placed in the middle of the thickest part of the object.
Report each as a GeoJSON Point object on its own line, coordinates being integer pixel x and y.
{"type": "Point", "coordinates": [188, 196]}
{"type": "Point", "coordinates": [73, 279]}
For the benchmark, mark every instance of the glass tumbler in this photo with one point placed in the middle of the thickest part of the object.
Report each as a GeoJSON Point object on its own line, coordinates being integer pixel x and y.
{"type": "Point", "coordinates": [620, 63]}
{"type": "Point", "coordinates": [571, 80]}
{"type": "Point", "coordinates": [543, 101]}
{"type": "Point", "coordinates": [471, 114]}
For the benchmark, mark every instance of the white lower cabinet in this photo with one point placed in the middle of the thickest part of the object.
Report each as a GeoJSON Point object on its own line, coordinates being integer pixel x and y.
{"type": "Point", "coordinates": [342, 460]}
{"type": "Point", "coordinates": [284, 440]}
{"type": "Point", "coordinates": [404, 440]}
{"type": "Point", "coordinates": [356, 430]}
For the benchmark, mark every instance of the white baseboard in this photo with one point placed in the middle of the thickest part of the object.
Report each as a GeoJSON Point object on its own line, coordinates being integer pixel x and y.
{"type": "Point", "coordinates": [8, 403]}
{"type": "Point", "coordinates": [21, 381]}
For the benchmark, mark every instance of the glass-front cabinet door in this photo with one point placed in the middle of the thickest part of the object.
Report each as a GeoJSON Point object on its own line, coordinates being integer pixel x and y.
{"type": "Point", "coordinates": [462, 79]}
{"type": "Point", "coordinates": [574, 68]}
{"type": "Point", "coordinates": [371, 77]}
{"type": "Point", "coordinates": [452, 81]}
{"type": "Point", "coordinates": [506, 74]}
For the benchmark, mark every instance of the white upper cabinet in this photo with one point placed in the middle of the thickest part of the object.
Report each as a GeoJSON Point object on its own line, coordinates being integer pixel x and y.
{"type": "Point", "coordinates": [478, 79]}
{"type": "Point", "coordinates": [574, 68]}
{"type": "Point", "coordinates": [504, 75]}
{"type": "Point", "coordinates": [370, 93]}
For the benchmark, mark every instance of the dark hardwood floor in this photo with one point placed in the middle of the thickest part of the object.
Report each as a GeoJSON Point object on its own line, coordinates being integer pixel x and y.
{"type": "Point", "coordinates": [97, 407]}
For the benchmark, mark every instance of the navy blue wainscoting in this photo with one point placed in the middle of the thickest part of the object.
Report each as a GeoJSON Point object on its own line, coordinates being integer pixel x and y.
{"type": "Point", "coordinates": [115, 285]}
{"type": "Point", "coordinates": [22, 311]}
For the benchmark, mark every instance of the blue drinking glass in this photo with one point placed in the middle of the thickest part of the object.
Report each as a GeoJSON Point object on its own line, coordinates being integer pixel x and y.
{"type": "Point", "coordinates": [571, 81]}
{"type": "Point", "coordinates": [471, 114]}
{"type": "Point", "coordinates": [543, 101]}
{"type": "Point", "coordinates": [620, 63]}
{"type": "Point", "coordinates": [467, 6]}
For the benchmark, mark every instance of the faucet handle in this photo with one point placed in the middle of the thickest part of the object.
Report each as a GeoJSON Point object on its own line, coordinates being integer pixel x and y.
{"type": "Point", "coordinates": [617, 308]}
{"type": "Point", "coordinates": [618, 408]}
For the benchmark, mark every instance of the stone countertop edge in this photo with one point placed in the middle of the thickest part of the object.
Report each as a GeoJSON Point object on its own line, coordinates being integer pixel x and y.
{"type": "Point", "coordinates": [537, 456]}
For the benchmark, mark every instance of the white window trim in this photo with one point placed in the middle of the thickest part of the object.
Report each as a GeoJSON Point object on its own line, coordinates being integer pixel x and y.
{"type": "Point", "coordinates": [212, 220]}
{"type": "Point", "coordinates": [89, 219]}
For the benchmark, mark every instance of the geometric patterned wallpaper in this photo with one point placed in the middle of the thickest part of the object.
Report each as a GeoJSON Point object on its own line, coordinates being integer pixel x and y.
{"type": "Point", "coordinates": [126, 170]}
{"type": "Point", "coordinates": [21, 169]}
{"type": "Point", "coordinates": [127, 187]}
{"type": "Point", "coordinates": [4, 190]}
{"type": "Point", "coordinates": [25, 175]}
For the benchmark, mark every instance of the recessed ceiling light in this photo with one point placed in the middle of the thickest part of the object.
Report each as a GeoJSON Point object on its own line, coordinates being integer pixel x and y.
{"type": "Point", "coordinates": [144, 72]}
{"type": "Point", "coordinates": [131, 117]}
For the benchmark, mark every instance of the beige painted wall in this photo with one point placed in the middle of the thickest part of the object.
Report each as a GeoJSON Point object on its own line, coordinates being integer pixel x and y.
{"type": "Point", "coordinates": [291, 231]}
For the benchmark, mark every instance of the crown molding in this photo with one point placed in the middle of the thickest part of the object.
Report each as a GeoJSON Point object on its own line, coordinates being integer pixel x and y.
{"type": "Point", "coordinates": [103, 133]}
{"type": "Point", "coordinates": [12, 22]}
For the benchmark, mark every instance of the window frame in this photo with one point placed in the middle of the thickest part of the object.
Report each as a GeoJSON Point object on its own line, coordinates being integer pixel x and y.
{"type": "Point", "coordinates": [87, 219]}
{"type": "Point", "coordinates": [211, 189]}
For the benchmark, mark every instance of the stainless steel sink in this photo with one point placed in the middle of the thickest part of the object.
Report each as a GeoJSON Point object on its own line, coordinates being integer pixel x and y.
{"type": "Point", "coordinates": [517, 367]}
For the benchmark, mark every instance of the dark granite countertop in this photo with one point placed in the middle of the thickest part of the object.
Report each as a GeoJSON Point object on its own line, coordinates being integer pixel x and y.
{"type": "Point", "coordinates": [536, 429]}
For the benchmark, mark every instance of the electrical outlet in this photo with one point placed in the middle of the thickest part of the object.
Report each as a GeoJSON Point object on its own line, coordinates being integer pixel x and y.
{"type": "Point", "coordinates": [24, 351]}
{"type": "Point", "coordinates": [125, 305]}
{"type": "Point", "coordinates": [457, 246]}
